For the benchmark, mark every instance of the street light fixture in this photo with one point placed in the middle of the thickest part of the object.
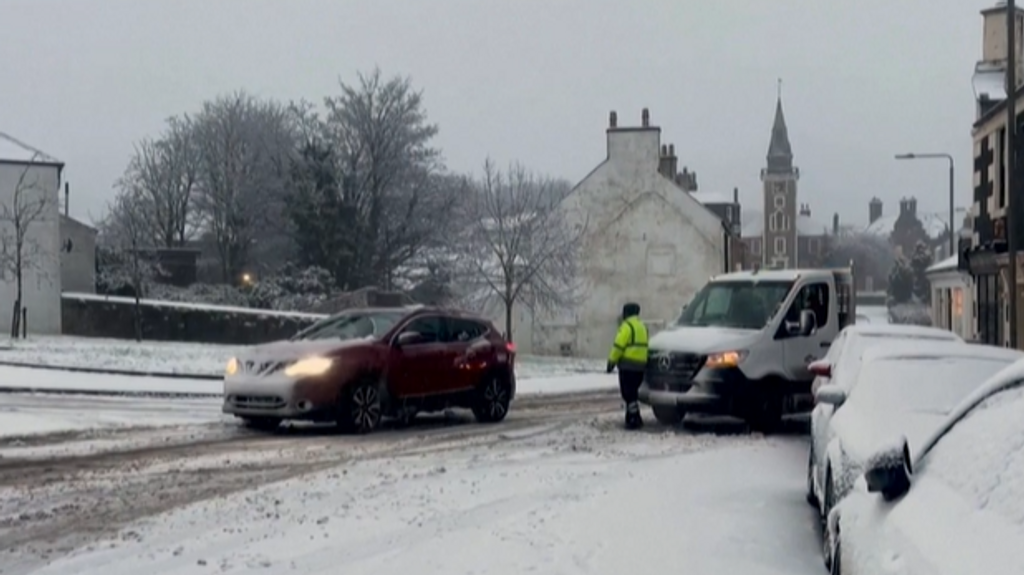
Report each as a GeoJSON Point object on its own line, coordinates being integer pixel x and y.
{"type": "Point", "coordinates": [940, 156]}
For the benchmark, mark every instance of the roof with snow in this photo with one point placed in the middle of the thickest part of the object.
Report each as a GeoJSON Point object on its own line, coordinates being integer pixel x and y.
{"type": "Point", "coordinates": [949, 264]}
{"type": "Point", "coordinates": [935, 224]}
{"type": "Point", "coordinates": [708, 198]}
{"type": "Point", "coordinates": [14, 150]}
{"type": "Point", "coordinates": [753, 225]}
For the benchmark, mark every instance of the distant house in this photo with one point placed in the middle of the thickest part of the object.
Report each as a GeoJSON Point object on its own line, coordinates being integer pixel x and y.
{"type": "Point", "coordinates": [648, 240]}
{"type": "Point", "coordinates": [33, 177]}
{"type": "Point", "coordinates": [77, 256]}
{"type": "Point", "coordinates": [952, 297]}
{"type": "Point", "coordinates": [907, 227]}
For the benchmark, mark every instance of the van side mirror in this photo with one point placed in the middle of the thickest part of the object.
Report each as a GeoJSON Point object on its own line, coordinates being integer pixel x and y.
{"type": "Point", "coordinates": [808, 322]}
{"type": "Point", "coordinates": [889, 471]}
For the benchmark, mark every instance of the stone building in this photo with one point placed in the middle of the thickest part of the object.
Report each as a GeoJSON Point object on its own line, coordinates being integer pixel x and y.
{"type": "Point", "coordinates": [986, 258]}
{"type": "Point", "coordinates": [648, 240]}
{"type": "Point", "coordinates": [783, 235]}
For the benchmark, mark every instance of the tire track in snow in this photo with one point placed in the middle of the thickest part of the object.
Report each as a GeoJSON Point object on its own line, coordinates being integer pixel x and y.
{"type": "Point", "coordinates": [49, 507]}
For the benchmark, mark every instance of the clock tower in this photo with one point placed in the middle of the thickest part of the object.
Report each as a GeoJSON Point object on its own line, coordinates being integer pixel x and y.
{"type": "Point", "coordinates": [779, 235]}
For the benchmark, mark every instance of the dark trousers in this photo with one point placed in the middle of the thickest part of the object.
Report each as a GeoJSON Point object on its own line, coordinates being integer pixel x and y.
{"type": "Point", "coordinates": [629, 384]}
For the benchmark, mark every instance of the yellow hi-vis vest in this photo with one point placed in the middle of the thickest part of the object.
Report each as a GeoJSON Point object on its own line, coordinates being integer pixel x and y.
{"type": "Point", "coordinates": [630, 348]}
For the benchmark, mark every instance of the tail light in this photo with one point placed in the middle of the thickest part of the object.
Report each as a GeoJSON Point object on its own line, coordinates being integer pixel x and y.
{"type": "Point", "coordinates": [511, 347]}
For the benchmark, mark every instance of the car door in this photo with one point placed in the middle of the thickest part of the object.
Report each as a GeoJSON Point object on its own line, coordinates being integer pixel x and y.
{"type": "Point", "coordinates": [822, 412]}
{"type": "Point", "coordinates": [463, 349]}
{"type": "Point", "coordinates": [801, 350]}
{"type": "Point", "coordinates": [417, 368]}
{"type": "Point", "coordinates": [964, 512]}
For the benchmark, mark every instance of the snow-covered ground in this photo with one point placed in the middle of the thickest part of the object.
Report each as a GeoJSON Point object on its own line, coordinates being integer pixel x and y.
{"type": "Point", "coordinates": [26, 414]}
{"type": "Point", "coordinates": [199, 359]}
{"type": "Point", "coordinates": [553, 492]}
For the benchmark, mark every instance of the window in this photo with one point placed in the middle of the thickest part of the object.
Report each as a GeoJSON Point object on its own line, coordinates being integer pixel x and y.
{"type": "Point", "coordinates": [780, 246]}
{"type": "Point", "coordinates": [747, 305]}
{"type": "Point", "coordinates": [980, 456]}
{"type": "Point", "coordinates": [431, 328]}
{"type": "Point", "coordinates": [465, 329]}
{"type": "Point", "coordinates": [813, 297]}
{"type": "Point", "coordinates": [778, 222]}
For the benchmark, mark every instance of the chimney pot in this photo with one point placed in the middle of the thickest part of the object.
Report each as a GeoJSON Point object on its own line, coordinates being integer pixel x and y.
{"type": "Point", "coordinates": [735, 195]}
{"type": "Point", "coordinates": [645, 118]}
{"type": "Point", "coordinates": [613, 119]}
{"type": "Point", "coordinates": [672, 150]}
{"type": "Point", "coordinates": [664, 150]}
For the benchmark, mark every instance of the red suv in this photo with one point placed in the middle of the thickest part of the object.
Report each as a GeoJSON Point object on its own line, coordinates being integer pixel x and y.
{"type": "Point", "coordinates": [358, 366]}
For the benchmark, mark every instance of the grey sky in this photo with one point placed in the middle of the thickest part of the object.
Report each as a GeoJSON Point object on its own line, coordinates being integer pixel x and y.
{"type": "Point", "coordinates": [529, 80]}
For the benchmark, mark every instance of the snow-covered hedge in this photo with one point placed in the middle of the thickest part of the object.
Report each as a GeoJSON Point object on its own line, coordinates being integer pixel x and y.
{"type": "Point", "coordinates": [113, 317]}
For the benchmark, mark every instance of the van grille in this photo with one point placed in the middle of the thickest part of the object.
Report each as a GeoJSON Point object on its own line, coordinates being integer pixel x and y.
{"type": "Point", "coordinates": [262, 367]}
{"type": "Point", "coordinates": [257, 401]}
{"type": "Point", "coordinates": [668, 369]}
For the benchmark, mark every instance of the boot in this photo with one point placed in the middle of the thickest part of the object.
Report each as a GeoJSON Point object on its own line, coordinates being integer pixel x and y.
{"type": "Point", "coordinates": [633, 418]}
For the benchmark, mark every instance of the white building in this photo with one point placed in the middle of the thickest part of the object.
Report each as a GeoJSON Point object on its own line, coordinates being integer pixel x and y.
{"type": "Point", "coordinates": [29, 193]}
{"type": "Point", "coordinates": [647, 241]}
{"type": "Point", "coordinates": [952, 297]}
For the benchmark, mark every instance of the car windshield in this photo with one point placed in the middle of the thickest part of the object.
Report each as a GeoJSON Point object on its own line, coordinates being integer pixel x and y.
{"type": "Point", "coordinates": [748, 305]}
{"type": "Point", "coordinates": [351, 326]}
{"type": "Point", "coordinates": [922, 384]}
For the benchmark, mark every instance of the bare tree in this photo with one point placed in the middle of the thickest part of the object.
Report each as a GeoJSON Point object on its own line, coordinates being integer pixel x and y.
{"type": "Point", "coordinates": [388, 172]}
{"type": "Point", "coordinates": [245, 145]}
{"type": "Point", "coordinates": [519, 247]}
{"type": "Point", "coordinates": [163, 176]}
{"type": "Point", "coordinates": [124, 237]}
{"type": "Point", "coordinates": [20, 250]}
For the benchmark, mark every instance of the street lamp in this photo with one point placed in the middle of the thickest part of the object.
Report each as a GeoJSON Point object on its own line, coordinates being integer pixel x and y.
{"type": "Point", "coordinates": [934, 156]}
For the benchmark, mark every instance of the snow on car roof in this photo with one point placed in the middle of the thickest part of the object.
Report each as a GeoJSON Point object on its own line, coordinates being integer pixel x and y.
{"type": "Point", "coordinates": [901, 329]}
{"type": "Point", "coordinates": [939, 349]}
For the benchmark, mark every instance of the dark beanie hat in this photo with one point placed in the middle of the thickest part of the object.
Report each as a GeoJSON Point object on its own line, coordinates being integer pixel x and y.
{"type": "Point", "coordinates": [630, 309]}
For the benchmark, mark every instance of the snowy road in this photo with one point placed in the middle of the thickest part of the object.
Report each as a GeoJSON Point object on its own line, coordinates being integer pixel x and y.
{"type": "Point", "coordinates": [557, 488]}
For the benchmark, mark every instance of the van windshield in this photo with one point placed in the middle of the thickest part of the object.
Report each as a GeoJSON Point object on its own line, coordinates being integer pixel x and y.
{"type": "Point", "coordinates": [351, 326]}
{"type": "Point", "coordinates": [746, 305]}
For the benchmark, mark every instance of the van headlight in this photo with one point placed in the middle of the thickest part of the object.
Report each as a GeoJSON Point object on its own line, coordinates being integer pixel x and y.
{"type": "Point", "coordinates": [725, 359]}
{"type": "Point", "coordinates": [309, 367]}
{"type": "Point", "coordinates": [232, 367]}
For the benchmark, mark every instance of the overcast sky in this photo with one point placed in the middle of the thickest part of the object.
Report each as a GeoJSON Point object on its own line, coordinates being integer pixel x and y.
{"type": "Point", "coordinates": [528, 80]}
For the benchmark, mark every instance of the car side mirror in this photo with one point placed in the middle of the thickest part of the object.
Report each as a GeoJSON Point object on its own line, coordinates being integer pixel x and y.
{"type": "Point", "coordinates": [820, 368]}
{"type": "Point", "coordinates": [889, 471]}
{"type": "Point", "coordinates": [409, 338]}
{"type": "Point", "coordinates": [830, 394]}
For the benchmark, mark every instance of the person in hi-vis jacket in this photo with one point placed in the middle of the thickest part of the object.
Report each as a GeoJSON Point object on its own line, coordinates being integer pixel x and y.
{"type": "Point", "coordinates": [629, 354]}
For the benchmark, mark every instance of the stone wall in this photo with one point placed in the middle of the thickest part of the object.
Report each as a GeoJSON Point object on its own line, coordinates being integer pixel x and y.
{"type": "Point", "coordinates": [114, 317]}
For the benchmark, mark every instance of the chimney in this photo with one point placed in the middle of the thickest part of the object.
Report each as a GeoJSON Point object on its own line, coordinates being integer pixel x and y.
{"type": "Point", "coordinates": [735, 195]}
{"type": "Point", "coordinates": [673, 159]}
{"type": "Point", "coordinates": [912, 206]}
{"type": "Point", "coordinates": [67, 200]}
{"type": "Point", "coordinates": [613, 119]}
{"type": "Point", "coordinates": [903, 206]}
{"type": "Point", "coordinates": [645, 118]}
{"type": "Point", "coordinates": [665, 164]}
{"type": "Point", "coordinates": [874, 210]}
{"type": "Point", "coordinates": [635, 145]}
{"type": "Point", "coordinates": [805, 210]}
{"type": "Point", "coordinates": [835, 224]}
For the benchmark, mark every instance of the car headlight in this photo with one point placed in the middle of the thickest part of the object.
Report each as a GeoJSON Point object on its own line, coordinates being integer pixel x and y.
{"type": "Point", "coordinates": [724, 359]}
{"type": "Point", "coordinates": [309, 367]}
{"type": "Point", "coordinates": [232, 367]}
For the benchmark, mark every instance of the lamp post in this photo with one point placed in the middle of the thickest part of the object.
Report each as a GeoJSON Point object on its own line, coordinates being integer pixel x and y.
{"type": "Point", "coordinates": [934, 156]}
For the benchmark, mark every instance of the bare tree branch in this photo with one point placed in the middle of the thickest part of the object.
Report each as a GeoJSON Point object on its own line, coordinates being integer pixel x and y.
{"type": "Point", "coordinates": [20, 250]}
{"type": "Point", "coordinates": [519, 248]}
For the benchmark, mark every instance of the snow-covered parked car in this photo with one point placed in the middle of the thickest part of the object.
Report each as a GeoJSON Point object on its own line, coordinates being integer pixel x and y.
{"type": "Point", "coordinates": [955, 507]}
{"type": "Point", "coordinates": [904, 388]}
{"type": "Point", "coordinates": [840, 367]}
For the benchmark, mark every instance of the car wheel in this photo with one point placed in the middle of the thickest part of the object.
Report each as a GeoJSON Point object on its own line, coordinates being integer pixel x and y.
{"type": "Point", "coordinates": [360, 411]}
{"type": "Point", "coordinates": [493, 399]}
{"type": "Point", "coordinates": [812, 499]}
{"type": "Point", "coordinates": [261, 423]}
{"type": "Point", "coordinates": [668, 415]}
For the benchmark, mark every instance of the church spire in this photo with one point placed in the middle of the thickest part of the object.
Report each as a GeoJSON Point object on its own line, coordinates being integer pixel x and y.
{"type": "Point", "coordinates": [780, 153]}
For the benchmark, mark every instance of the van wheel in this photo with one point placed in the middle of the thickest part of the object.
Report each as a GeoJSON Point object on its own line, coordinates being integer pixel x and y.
{"type": "Point", "coordinates": [668, 415]}
{"type": "Point", "coordinates": [360, 409]}
{"type": "Point", "coordinates": [765, 416]}
{"type": "Point", "coordinates": [493, 399]}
